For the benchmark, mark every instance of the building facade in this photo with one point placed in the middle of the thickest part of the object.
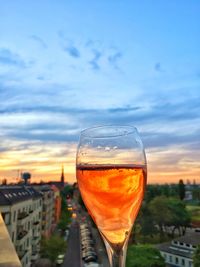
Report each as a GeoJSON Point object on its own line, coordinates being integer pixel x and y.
{"type": "Point", "coordinates": [179, 252]}
{"type": "Point", "coordinates": [57, 204]}
{"type": "Point", "coordinates": [21, 209]}
{"type": "Point", "coordinates": [48, 208]}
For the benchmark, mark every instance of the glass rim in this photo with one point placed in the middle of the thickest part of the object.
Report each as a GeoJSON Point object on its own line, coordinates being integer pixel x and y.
{"type": "Point", "coordinates": [118, 130]}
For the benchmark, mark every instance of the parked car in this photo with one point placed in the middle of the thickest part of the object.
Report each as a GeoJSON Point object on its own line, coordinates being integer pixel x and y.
{"type": "Point", "coordinates": [60, 259]}
{"type": "Point", "coordinates": [91, 264]}
{"type": "Point", "coordinates": [87, 247]}
{"type": "Point", "coordinates": [88, 254]}
{"type": "Point", "coordinates": [90, 259]}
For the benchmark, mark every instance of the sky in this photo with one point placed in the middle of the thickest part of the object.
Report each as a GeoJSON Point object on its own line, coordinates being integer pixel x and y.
{"type": "Point", "coordinates": [69, 65]}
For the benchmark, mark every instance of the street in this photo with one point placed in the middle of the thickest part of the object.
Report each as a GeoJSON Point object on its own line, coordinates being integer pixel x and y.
{"type": "Point", "coordinates": [73, 257]}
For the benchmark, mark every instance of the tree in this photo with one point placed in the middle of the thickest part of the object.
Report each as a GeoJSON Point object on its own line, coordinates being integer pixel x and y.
{"type": "Point", "coordinates": [161, 214]}
{"type": "Point", "coordinates": [169, 212]}
{"type": "Point", "coordinates": [196, 194]}
{"type": "Point", "coordinates": [68, 191]}
{"type": "Point", "coordinates": [167, 190]}
{"type": "Point", "coordinates": [52, 247]}
{"type": "Point", "coordinates": [65, 220]}
{"type": "Point", "coordinates": [144, 256]}
{"type": "Point", "coordinates": [145, 221]}
{"type": "Point", "coordinates": [180, 218]}
{"type": "Point", "coordinates": [4, 181]}
{"type": "Point", "coordinates": [80, 201]}
{"type": "Point", "coordinates": [196, 257]}
{"type": "Point", "coordinates": [181, 190]}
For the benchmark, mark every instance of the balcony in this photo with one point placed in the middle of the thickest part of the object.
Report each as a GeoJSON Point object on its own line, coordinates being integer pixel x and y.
{"type": "Point", "coordinates": [22, 253]}
{"type": "Point", "coordinates": [21, 237]}
{"type": "Point", "coordinates": [37, 233]}
{"type": "Point", "coordinates": [36, 223]}
{"type": "Point", "coordinates": [34, 256]}
{"type": "Point", "coordinates": [22, 217]}
{"type": "Point", "coordinates": [35, 240]}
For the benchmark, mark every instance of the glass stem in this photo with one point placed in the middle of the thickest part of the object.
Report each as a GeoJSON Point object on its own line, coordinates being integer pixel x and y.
{"type": "Point", "coordinates": [116, 255]}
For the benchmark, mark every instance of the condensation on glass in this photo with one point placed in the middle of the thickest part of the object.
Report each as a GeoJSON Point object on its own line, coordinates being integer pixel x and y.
{"type": "Point", "coordinates": [8, 255]}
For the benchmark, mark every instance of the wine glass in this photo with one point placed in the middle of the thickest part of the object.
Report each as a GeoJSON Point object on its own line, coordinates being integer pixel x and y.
{"type": "Point", "coordinates": [111, 174]}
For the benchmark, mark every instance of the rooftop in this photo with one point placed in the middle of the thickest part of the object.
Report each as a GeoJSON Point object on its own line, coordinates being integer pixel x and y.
{"type": "Point", "coordinates": [192, 239]}
{"type": "Point", "coordinates": [176, 249]}
{"type": "Point", "coordinates": [13, 194]}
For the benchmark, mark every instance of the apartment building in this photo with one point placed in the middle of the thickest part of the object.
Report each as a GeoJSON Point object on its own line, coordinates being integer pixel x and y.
{"type": "Point", "coordinates": [21, 209]}
{"type": "Point", "coordinates": [48, 207]}
{"type": "Point", "coordinates": [57, 204]}
{"type": "Point", "coordinates": [179, 252]}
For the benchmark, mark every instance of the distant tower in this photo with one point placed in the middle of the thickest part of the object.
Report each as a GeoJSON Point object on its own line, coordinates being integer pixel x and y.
{"type": "Point", "coordinates": [26, 176]}
{"type": "Point", "coordinates": [62, 178]}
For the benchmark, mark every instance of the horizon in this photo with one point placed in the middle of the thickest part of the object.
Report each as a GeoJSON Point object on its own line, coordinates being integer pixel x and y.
{"type": "Point", "coordinates": [68, 66]}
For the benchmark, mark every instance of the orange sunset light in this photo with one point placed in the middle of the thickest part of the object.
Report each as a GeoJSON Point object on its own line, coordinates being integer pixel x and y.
{"type": "Point", "coordinates": [44, 162]}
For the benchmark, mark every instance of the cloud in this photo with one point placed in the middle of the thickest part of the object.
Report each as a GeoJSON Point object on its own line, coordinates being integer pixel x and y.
{"type": "Point", "coordinates": [156, 139]}
{"type": "Point", "coordinates": [72, 51]}
{"type": "Point", "coordinates": [39, 40]}
{"type": "Point", "coordinates": [62, 124]}
{"type": "Point", "coordinates": [7, 57]}
{"type": "Point", "coordinates": [94, 62]}
{"type": "Point", "coordinates": [41, 78]}
{"type": "Point", "coordinates": [114, 58]}
{"type": "Point", "coordinates": [158, 67]}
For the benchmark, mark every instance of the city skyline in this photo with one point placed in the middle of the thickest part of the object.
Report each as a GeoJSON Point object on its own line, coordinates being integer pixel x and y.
{"type": "Point", "coordinates": [67, 66]}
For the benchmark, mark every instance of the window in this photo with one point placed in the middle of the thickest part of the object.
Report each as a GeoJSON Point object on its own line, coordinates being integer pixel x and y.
{"type": "Point", "coordinates": [170, 258]}
{"type": "Point", "coordinates": [183, 262]}
{"type": "Point", "coordinates": [6, 217]}
{"type": "Point", "coordinates": [176, 259]}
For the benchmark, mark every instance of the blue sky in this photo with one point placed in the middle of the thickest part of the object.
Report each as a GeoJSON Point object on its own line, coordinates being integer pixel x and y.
{"type": "Point", "coordinates": [69, 65]}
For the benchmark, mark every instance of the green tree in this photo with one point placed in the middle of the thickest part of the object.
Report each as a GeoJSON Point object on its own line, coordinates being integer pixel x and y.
{"type": "Point", "coordinates": [196, 194]}
{"type": "Point", "coordinates": [144, 256]}
{"type": "Point", "coordinates": [167, 190]}
{"type": "Point", "coordinates": [169, 212]}
{"type": "Point", "coordinates": [196, 257]}
{"type": "Point", "coordinates": [65, 220]}
{"type": "Point", "coordinates": [68, 191]}
{"type": "Point", "coordinates": [161, 214]}
{"type": "Point", "coordinates": [181, 190]}
{"type": "Point", "coordinates": [80, 201]}
{"type": "Point", "coordinates": [52, 247]}
{"type": "Point", "coordinates": [180, 217]}
{"type": "Point", "coordinates": [145, 221]}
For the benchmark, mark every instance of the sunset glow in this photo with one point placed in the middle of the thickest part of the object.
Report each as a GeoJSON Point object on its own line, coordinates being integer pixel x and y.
{"type": "Point", "coordinates": [69, 65]}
